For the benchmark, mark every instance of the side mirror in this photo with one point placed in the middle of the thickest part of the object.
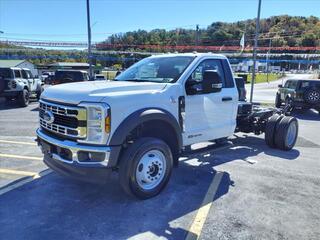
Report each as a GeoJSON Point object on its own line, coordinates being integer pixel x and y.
{"type": "Point", "coordinates": [211, 82]}
{"type": "Point", "coordinates": [280, 86]}
{"type": "Point", "coordinates": [193, 87]}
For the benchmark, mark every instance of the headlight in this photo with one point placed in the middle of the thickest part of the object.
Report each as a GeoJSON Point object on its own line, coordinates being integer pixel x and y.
{"type": "Point", "coordinates": [98, 122]}
{"type": "Point", "coordinates": [12, 84]}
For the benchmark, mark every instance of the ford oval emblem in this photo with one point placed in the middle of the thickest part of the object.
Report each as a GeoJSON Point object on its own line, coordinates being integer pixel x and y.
{"type": "Point", "coordinates": [48, 117]}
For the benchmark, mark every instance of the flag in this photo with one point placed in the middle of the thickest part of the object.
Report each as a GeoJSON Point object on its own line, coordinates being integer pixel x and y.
{"type": "Point", "coordinates": [242, 42]}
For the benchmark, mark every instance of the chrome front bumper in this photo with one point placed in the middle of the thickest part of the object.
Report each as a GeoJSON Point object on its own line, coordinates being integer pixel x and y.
{"type": "Point", "coordinates": [75, 148]}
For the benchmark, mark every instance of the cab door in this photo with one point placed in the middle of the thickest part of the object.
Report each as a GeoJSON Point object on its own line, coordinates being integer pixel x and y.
{"type": "Point", "coordinates": [32, 82]}
{"type": "Point", "coordinates": [210, 116]}
{"type": "Point", "coordinates": [28, 81]}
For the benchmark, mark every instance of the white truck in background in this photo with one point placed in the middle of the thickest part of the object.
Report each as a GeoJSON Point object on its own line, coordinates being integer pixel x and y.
{"type": "Point", "coordinates": [19, 84]}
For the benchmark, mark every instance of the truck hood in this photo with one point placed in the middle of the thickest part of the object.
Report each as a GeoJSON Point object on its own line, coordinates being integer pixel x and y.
{"type": "Point", "coordinates": [95, 91]}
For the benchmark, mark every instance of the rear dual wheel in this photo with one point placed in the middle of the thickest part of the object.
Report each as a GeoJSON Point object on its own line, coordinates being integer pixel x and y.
{"type": "Point", "coordinates": [281, 132]}
{"type": "Point", "coordinates": [286, 133]}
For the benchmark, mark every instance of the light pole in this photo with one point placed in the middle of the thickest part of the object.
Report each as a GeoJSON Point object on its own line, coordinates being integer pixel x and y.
{"type": "Point", "coordinates": [255, 51]}
{"type": "Point", "coordinates": [89, 41]}
{"type": "Point", "coordinates": [268, 59]}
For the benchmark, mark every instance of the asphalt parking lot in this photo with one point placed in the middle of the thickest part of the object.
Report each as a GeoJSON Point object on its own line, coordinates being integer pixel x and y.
{"type": "Point", "coordinates": [240, 191]}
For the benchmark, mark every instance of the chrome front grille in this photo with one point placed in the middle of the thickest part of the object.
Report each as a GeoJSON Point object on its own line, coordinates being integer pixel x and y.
{"type": "Point", "coordinates": [65, 120]}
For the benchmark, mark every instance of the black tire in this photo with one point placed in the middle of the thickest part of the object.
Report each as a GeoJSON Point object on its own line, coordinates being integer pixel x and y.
{"type": "Point", "coordinates": [269, 134]}
{"type": "Point", "coordinates": [289, 101]}
{"type": "Point", "coordinates": [24, 98]}
{"type": "Point", "coordinates": [129, 164]}
{"type": "Point", "coordinates": [278, 101]}
{"type": "Point", "coordinates": [283, 140]}
{"type": "Point", "coordinates": [38, 93]}
{"type": "Point", "coordinates": [312, 96]}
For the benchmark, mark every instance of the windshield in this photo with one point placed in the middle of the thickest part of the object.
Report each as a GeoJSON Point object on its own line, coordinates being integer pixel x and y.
{"type": "Point", "coordinates": [70, 76]}
{"type": "Point", "coordinates": [161, 69]}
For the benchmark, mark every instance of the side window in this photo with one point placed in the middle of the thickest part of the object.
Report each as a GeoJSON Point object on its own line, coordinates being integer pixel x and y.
{"type": "Point", "coordinates": [85, 77]}
{"type": "Point", "coordinates": [293, 84]}
{"type": "Point", "coordinates": [286, 85]}
{"type": "Point", "coordinates": [305, 84]}
{"type": "Point", "coordinates": [29, 74]}
{"type": "Point", "coordinates": [210, 64]}
{"type": "Point", "coordinates": [228, 74]}
{"type": "Point", "coordinates": [17, 74]}
{"type": "Point", "coordinates": [24, 74]}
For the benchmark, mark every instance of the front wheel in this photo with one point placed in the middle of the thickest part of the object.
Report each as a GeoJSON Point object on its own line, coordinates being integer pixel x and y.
{"type": "Point", "coordinates": [38, 93]}
{"type": "Point", "coordinates": [24, 98]}
{"type": "Point", "coordinates": [145, 167]}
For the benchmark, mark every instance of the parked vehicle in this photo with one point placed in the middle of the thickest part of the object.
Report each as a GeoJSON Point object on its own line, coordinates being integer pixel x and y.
{"type": "Point", "coordinates": [100, 77]}
{"type": "Point", "coordinates": [49, 80]}
{"type": "Point", "coordinates": [140, 123]}
{"type": "Point", "coordinates": [300, 94]}
{"type": "Point", "coordinates": [45, 76]}
{"type": "Point", "coordinates": [19, 84]}
{"type": "Point", "coordinates": [241, 88]}
{"type": "Point", "coordinates": [69, 76]}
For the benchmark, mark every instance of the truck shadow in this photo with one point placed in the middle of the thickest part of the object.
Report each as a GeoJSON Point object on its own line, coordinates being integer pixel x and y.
{"type": "Point", "coordinates": [65, 209]}
{"type": "Point", "coordinates": [5, 105]}
{"type": "Point", "coordinates": [250, 145]}
{"type": "Point", "coordinates": [310, 115]}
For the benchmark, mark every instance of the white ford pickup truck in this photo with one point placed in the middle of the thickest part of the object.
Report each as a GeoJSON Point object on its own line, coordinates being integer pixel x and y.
{"type": "Point", "coordinates": [140, 123]}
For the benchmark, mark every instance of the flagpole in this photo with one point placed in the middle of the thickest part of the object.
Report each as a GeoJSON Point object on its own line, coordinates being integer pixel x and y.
{"type": "Point", "coordinates": [255, 51]}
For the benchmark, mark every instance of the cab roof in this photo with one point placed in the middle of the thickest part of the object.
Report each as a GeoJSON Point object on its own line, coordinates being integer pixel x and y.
{"type": "Point", "coordinates": [193, 54]}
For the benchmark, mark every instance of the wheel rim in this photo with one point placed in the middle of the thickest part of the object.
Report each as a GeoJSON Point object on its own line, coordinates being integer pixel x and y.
{"type": "Point", "coordinates": [151, 169]}
{"type": "Point", "coordinates": [314, 96]}
{"type": "Point", "coordinates": [292, 132]}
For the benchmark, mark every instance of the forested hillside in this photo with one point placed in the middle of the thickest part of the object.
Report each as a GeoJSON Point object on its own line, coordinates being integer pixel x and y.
{"type": "Point", "coordinates": [285, 31]}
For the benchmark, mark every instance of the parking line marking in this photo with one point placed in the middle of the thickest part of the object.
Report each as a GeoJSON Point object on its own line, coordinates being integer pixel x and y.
{"type": "Point", "coordinates": [24, 181]}
{"type": "Point", "coordinates": [19, 156]}
{"type": "Point", "coordinates": [17, 172]}
{"type": "Point", "coordinates": [198, 222]}
{"type": "Point", "coordinates": [17, 142]}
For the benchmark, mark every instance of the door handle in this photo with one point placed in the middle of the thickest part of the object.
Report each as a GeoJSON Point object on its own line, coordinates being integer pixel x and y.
{"type": "Point", "coordinates": [224, 99]}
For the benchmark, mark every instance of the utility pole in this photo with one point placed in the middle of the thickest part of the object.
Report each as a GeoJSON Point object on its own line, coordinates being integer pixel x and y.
{"type": "Point", "coordinates": [268, 59]}
{"type": "Point", "coordinates": [197, 34]}
{"type": "Point", "coordinates": [89, 41]}
{"type": "Point", "coordinates": [255, 50]}
{"type": "Point", "coordinates": [7, 45]}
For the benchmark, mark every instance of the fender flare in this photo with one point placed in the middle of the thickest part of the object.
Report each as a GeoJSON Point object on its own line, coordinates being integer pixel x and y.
{"type": "Point", "coordinates": [141, 116]}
